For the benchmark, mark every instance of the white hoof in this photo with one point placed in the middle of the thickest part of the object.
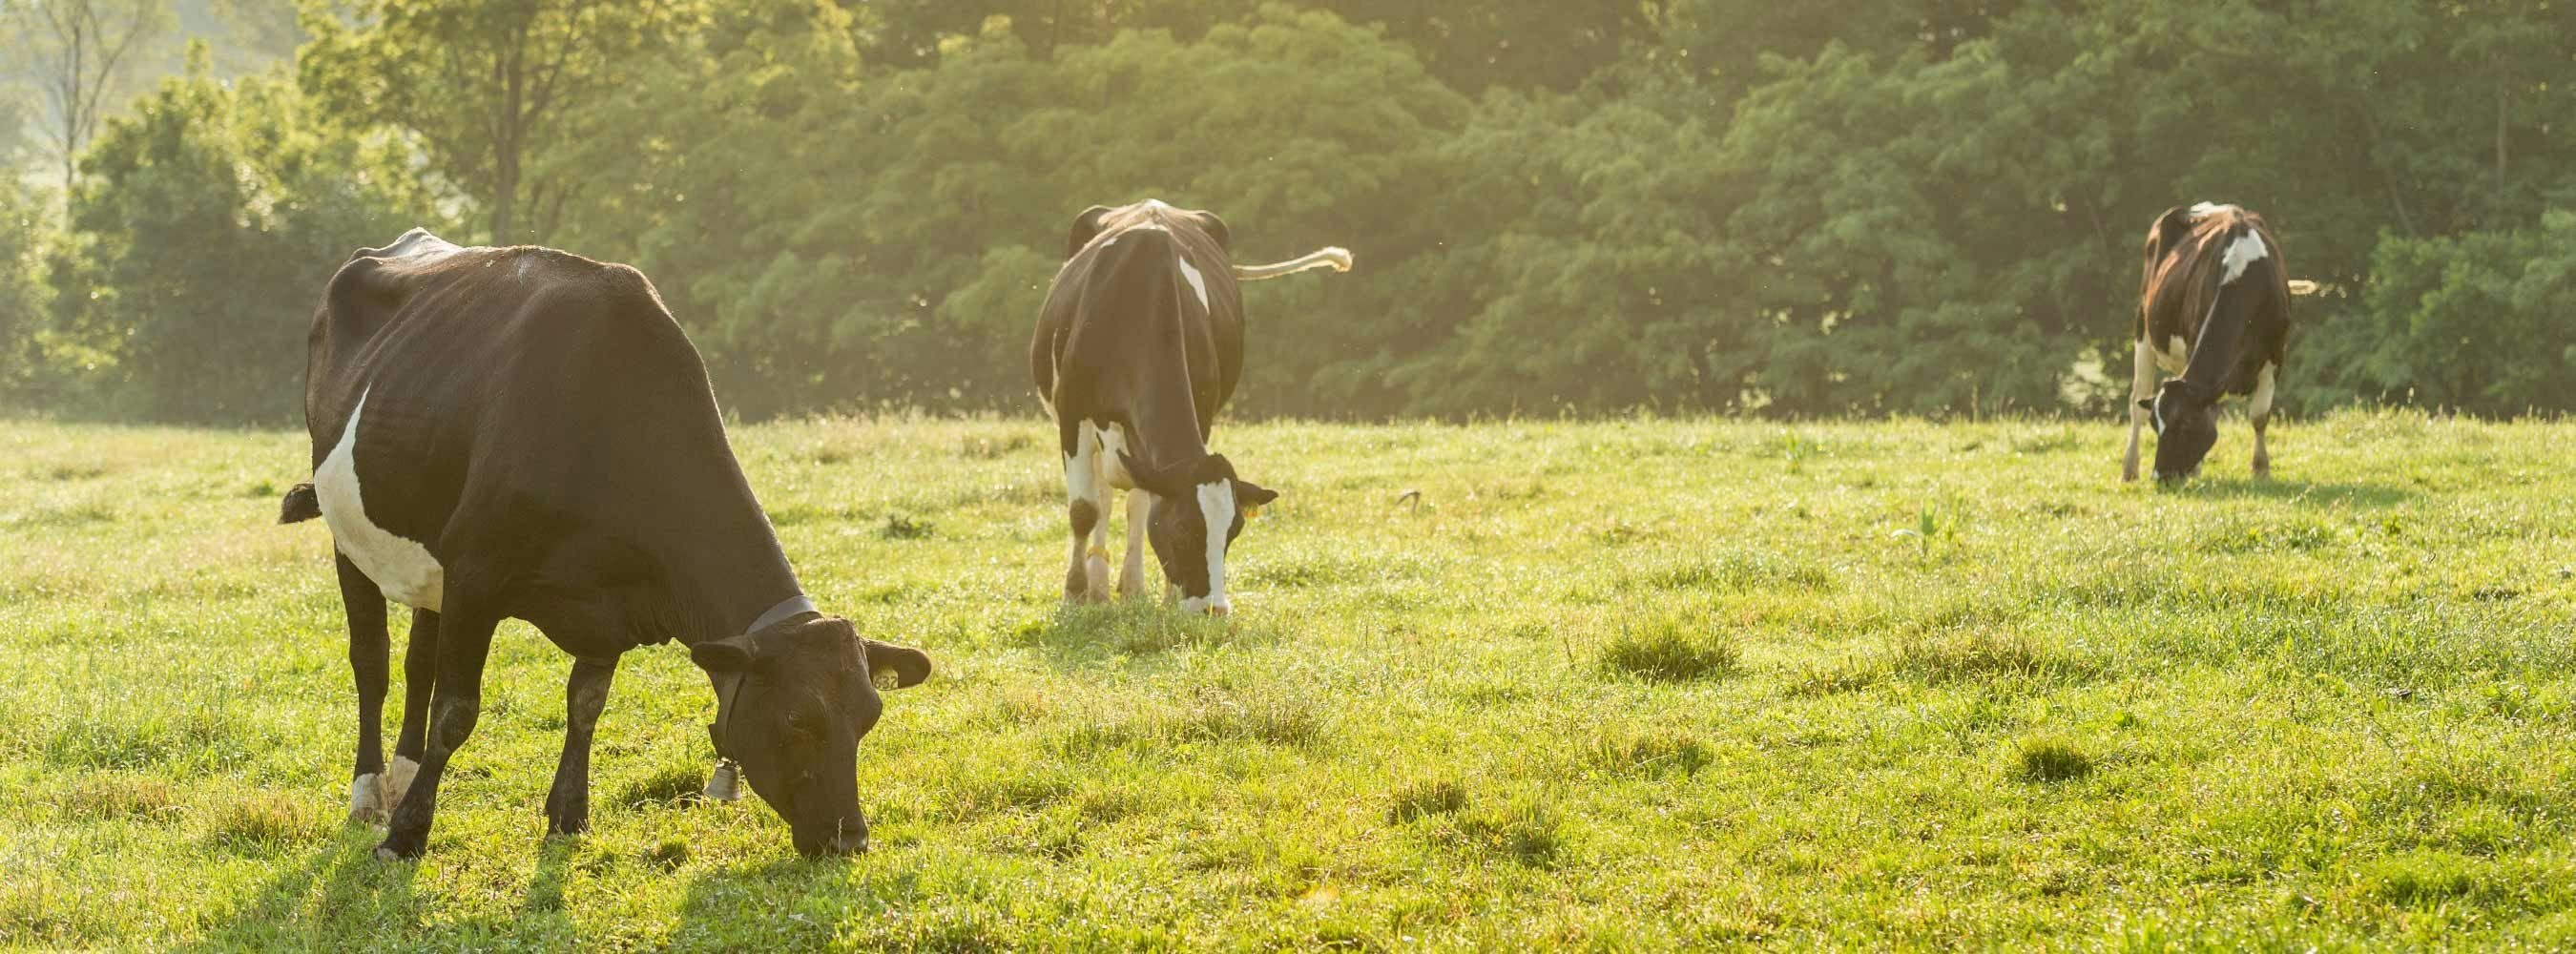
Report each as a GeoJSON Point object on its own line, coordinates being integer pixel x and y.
{"type": "Point", "coordinates": [1096, 579]}
{"type": "Point", "coordinates": [366, 801]}
{"type": "Point", "coordinates": [398, 778]}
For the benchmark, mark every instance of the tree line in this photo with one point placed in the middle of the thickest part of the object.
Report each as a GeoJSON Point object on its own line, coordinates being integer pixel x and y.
{"type": "Point", "coordinates": [1828, 208]}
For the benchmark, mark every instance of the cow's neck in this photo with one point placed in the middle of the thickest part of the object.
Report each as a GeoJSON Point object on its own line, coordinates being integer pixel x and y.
{"type": "Point", "coordinates": [1164, 426]}
{"type": "Point", "coordinates": [2222, 336]}
{"type": "Point", "coordinates": [722, 565]}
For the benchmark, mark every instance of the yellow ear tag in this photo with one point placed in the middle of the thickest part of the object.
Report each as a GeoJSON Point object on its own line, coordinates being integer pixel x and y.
{"type": "Point", "coordinates": [1250, 513]}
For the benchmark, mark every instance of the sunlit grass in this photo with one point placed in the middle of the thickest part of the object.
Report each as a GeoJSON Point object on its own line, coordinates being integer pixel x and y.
{"type": "Point", "coordinates": [1525, 685]}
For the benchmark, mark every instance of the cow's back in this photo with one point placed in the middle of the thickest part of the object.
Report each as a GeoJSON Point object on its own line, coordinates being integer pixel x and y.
{"type": "Point", "coordinates": [1149, 298]}
{"type": "Point", "coordinates": [529, 380]}
{"type": "Point", "coordinates": [2185, 273]}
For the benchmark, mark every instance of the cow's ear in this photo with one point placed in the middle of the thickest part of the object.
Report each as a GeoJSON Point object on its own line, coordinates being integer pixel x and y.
{"type": "Point", "coordinates": [910, 666]}
{"type": "Point", "coordinates": [1248, 495]}
{"type": "Point", "coordinates": [1216, 230]}
{"type": "Point", "coordinates": [736, 654]}
{"type": "Point", "coordinates": [1085, 228]}
{"type": "Point", "coordinates": [2168, 234]}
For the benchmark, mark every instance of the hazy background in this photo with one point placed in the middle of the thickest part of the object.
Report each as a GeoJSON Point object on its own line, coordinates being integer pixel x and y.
{"type": "Point", "coordinates": [1819, 208]}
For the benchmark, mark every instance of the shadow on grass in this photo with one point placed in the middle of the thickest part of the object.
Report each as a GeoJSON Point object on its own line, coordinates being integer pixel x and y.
{"type": "Point", "coordinates": [787, 904]}
{"type": "Point", "coordinates": [1078, 635]}
{"type": "Point", "coordinates": [358, 898]}
{"type": "Point", "coordinates": [2293, 491]}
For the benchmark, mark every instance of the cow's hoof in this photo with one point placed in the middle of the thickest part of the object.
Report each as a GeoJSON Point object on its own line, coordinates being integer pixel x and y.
{"type": "Point", "coordinates": [387, 852]}
{"type": "Point", "coordinates": [570, 821]}
{"type": "Point", "coordinates": [398, 778]}
{"type": "Point", "coordinates": [367, 800]}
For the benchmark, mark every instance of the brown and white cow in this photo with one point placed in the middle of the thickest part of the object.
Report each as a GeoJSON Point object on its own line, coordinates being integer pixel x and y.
{"type": "Point", "coordinates": [1139, 345]}
{"type": "Point", "coordinates": [2214, 312]}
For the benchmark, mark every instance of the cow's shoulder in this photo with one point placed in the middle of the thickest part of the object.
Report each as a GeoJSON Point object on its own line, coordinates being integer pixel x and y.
{"type": "Point", "coordinates": [374, 283]}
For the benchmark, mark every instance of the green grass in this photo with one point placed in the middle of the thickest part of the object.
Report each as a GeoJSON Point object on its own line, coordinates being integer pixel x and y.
{"type": "Point", "coordinates": [1627, 684]}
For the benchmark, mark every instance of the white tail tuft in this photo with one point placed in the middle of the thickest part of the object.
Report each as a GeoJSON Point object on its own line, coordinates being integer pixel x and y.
{"type": "Point", "coordinates": [1338, 259]}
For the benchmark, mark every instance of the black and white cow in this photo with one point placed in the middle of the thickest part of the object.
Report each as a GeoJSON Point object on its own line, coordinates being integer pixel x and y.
{"type": "Point", "coordinates": [524, 433]}
{"type": "Point", "coordinates": [2214, 311]}
{"type": "Point", "coordinates": [1139, 345]}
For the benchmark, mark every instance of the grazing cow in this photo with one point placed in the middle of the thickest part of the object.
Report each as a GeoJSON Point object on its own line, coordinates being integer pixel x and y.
{"type": "Point", "coordinates": [2214, 311]}
{"type": "Point", "coordinates": [1139, 344]}
{"type": "Point", "coordinates": [521, 432]}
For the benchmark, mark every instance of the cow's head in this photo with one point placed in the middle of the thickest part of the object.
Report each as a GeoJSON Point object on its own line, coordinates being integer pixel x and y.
{"type": "Point", "coordinates": [1199, 508]}
{"type": "Point", "coordinates": [805, 698]}
{"type": "Point", "coordinates": [2186, 421]}
{"type": "Point", "coordinates": [1101, 218]}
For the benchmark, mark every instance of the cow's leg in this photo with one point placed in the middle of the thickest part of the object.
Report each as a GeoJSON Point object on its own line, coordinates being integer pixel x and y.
{"type": "Point", "coordinates": [2141, 387]}
{"type": "Point", "coordinates": [464, 640]}
{"type": "Point", "coordinates": [1083, 500]}
{"type": "Point", "coordinates": [2261, 411]}
{"type": "Point", "coordinates": [420, 677]}
{"type": "Point", "coordinates": [369, 647]}
{"type": "Point", "coordinates": [1131, 578]}
{"type": "Point", "coordinates": [585, 693]}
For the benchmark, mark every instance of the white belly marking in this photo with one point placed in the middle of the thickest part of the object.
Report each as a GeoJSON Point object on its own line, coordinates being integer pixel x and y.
{"type": "Point", "coordinates": [404, 569]}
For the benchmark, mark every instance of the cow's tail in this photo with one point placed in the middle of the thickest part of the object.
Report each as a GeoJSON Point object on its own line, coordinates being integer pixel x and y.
{"type": "Point", "coordinates": [301, 505]}
{"type": "Point", "coordinates": [1337, 259]}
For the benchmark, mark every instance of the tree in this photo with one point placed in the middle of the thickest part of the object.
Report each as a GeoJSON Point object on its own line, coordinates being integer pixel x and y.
{"type": "Point", "coordinates": [80, 56]}
{"type": "Point", "coordinates": [201, 235]}
{"type": "Point", "coordinates": [24, 234]}
{"type": "Point", "coordinates": [487, 87]}
{"type": "Point", "coordinates": [2475, 322]}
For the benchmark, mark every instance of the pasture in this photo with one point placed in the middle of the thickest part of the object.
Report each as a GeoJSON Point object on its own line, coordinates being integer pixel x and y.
{"type": "Point", "coordinates": [1625, 684]}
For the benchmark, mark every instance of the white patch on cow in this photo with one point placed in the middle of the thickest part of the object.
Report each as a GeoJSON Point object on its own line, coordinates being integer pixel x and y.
{"type": "Point", "coordinates": [2176, 357]}
{"type": "Point", "coordinates": [366, 799]}
{"type": "Point", "coordinates": [2208, 208]}
{"type": "Point", "coordinates": [1216, 503]}
{"type": "Point", "coordinates": [1081, 485]}
{"type": "Point", "coordinates": [403, 569]}
{"type": "Point", "coordinates": [1112, 442]}
{"type": "Point", "coordinates": [398, 778]}
{"type": "Point", "coordinates": [1198, 282]}
{"type": "Point", "coordinates": [2243, 252]}
{"type": "Point", "coordinates": [2260, 406]}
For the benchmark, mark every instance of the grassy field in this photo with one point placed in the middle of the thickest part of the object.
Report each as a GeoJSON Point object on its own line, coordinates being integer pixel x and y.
{"type": "Point", "coordinates": [1622, 684]}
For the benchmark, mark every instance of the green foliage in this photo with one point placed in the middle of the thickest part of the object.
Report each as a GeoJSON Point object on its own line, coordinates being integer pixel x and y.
{"type": "Point", "coordinates": [25, 231]}
{"type": "Point", "coordinates": [1792, 210]}
{"type": "Point", "coordinates": [2478, 322]}
{"type": "Point", "coordinates": [201, 234]}
{"type": "Point", "coordinates": [486, 90]}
